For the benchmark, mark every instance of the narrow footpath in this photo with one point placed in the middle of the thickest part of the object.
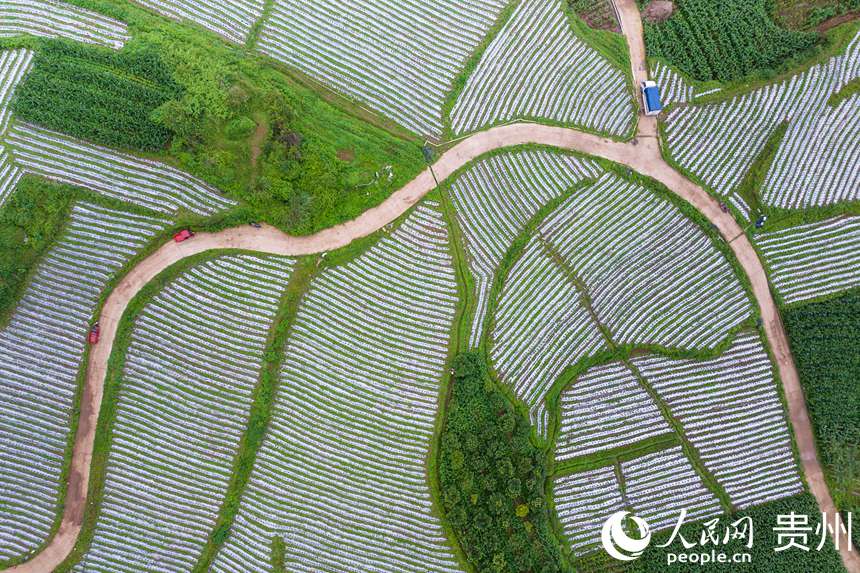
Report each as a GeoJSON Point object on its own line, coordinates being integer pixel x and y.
{"type": "Point", "coordinates": [641, 154]}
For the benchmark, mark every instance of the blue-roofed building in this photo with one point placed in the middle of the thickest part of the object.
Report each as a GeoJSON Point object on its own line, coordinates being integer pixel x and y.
{"type": "Point", "coordinates": [651, 98]}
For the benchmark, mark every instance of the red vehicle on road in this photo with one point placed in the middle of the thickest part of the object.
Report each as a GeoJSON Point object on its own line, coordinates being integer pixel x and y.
{"type": "Point", "coordinates": [183, 235]}
{"type": "Point", "coordinates": [93, 337]}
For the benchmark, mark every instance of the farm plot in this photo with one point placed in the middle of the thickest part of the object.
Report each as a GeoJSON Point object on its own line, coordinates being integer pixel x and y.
{"type": "Point", "coordinates": [400, 58]}
{"type": "Point", "coordinates": [232, 19]}
{"type": "Point", "coordinates": [194, 359]}
{"type": "Point", "coordinates": [9, 176]}
{"type": "Point", "coordinates": [341, 476]}
{"type": "Point", "coordinates": [41, 350]}
{"type": "Point", "coordinates": [584, 501]}
{"type": "Point", "coordinates": [537, 68]}
{"type": "Point", "coordinates": [53, 19]}
{"type": "Point", "coordinates": [673, 88]}
{"type": "Point", "coordinates": [143, 182]}
{"type": "Point", "coordinates": [813, 260]}
{"type": "Point", "coordinates": [730, 411]}
{"type": "Point", "coordinates": [14, 65]}
{"type": "Point", "coordinates": [652, 278]}
{"type": "Point", "coordinates": [718, 142]}
{"type": "Point", "coordinates": [606, 408]}
{"type": "Point", "coordinates": [497, 197]}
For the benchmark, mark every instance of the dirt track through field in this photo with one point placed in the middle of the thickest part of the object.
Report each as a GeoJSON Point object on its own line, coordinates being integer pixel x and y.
{"type": "Point", "coordinates": [642, 155]}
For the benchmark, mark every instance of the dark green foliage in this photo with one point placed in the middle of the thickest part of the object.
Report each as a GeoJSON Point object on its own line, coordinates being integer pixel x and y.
{"type": "Point", "coordinates": [98, 94]}
{"type": "Point", "coordinates": [492, 478]}
{"type": "Point", "coordinates": [724, 39]}
{"type": "Point", "coordinates": [30, 220]}
{"type": "Point", "coordinates": [764, 559]}
{"type": "Point", "coordinates": [824, 339]}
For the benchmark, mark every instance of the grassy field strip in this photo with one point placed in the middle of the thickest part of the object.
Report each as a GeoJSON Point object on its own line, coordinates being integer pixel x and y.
{"type": "Point", "coordinates": [400, 58]}
{"type": "Point", "coordinates": [60, 20]}
{"type": "Point", "coordinates": [144, 182]}
{"type": "Point", "coordinates": [605, 408]}
{"type": "Point", "coordinates": [232, 19]}
{"type": "Point", "coordinates": [655, 487]}
{"type": "Point", "coordinates": [41, 351]}
{"type": "Point", "coordinates": [495, 199]}
{"type": "Point", "coordinates": [191, 367]}
{"type": "Point", "coordinates": [718, 142]}
{"type": "Point", "coordinates": [14, 65]}
{"type": "Point", "coordinates": [537, 68]}
{"type": "Point", "coordinates": [341, 478]}
{"type": "Point", "coordinates": [686, 294]}
{"type": "Point", "coordinates": [730, 411]}
{"type": "Point", "coordinates": [813, 260]}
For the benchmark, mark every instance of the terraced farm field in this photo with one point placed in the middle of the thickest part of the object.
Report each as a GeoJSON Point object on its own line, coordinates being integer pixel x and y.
{"type": "Point", "coordinates": [41, 351]}
{"type": "Point", "coordinates": [56, 19]}
{"type": "Point", "coordinates": [194, 359]}
{"type": "Point", "coordinates": [232, 19]}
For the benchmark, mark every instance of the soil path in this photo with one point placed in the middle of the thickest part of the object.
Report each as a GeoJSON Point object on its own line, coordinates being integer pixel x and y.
{"type": "Point", "coordinates": [642, 155]}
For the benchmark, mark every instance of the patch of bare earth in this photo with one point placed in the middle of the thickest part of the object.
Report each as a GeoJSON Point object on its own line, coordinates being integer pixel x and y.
{"type": "Point", "coordinates": [837, 21]}
{"type": "Point", "coordinates": [658, 11]}
{"type": "Point", "coordinates": [345, 154]}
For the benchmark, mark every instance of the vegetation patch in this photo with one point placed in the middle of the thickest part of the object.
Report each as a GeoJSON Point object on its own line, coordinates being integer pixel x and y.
{"type": "Point", "coordinates": [823, 340]}
{"type": "Point", "coordinates": [98, 94]}
{"type": "Point", "coordinates": [599, 14]}
{"type": "Point", "coordinates": [808, 14]}
{"type": "Point", "coordinates": [725, 40]}
{"type": "Point", "coordinates": [492, 478]}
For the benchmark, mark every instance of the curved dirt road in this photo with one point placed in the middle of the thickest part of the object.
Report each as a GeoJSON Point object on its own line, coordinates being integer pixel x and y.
{"type": "Point", "coordinates": [642, 155]}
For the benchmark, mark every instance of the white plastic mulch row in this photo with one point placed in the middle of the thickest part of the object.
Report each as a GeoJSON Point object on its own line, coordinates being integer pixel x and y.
{"type": "Point", "coordinates": [191, 367]}
{"type": "Point", "coordinates": [730, 411]}
{"type": "Point", "coordinates": [14, 65]}
{"type": "Point", "coordinates": [143, 182]}
{"type": "Point", "coordinates": [537, 68]}
{"type": "Point", "coordinates": [497, 196]}
{"type": "Point", "coordinates": [660, 485]}
{"type": "Point", "coordinates": [673, 88]}
{"type": "Point", "coordinates": [41, 350]}
{"type": "Point", "coordinates": [815, 259]}
{"type": "Point", "coordinates": [232, 19]}
{"type": "Point", "coordinates": [53, 19]}
{"type": "Point", "coordinates": [653, 276]}
{"type": "Point", "coordinates": [342, 475]}
{"type": "Point", "coordinates": [398, 57]}
{"type": "Point", "coordinates": [656, 488]}
{"type": "Point", "coordinates": [606, 408]}
{"type": "Point", "coordinates": [10, 174]}
{"type": "Point", "coordinates": [815, 164]}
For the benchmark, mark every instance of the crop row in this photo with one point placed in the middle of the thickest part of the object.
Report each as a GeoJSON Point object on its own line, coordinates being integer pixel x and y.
{"type": "Point", "coordinates": [604, 239]}
{"type": "Point", "coordinates": [14, 64]}
{"type": "Point", "coordinates": [53, 19]}
{"type": "Point", "coordinates": [41, 350]}
{"type": "Point", "coordinates": [606, 408]}
{"type": "Point", "coordinates": [401, 58]}
{"type": "Point", "coordinates": [232, 19]}
{"type": "Point", "coordinates": [190, 370]}
{"type": "Point", "coordinates": [341, 477]}
{"type": "Point", "coordinates": [813, 166]}
{"type": "Point", "coordinates": [494, 200]}
{"type": "Point", "coordinates": [730, 411]}
{"type": "Point", "coordinates": [813, 260]}
{"type": "Point", "coordinates": [537, 68]}
{"type": "Point", "coordinates": [143, 182]}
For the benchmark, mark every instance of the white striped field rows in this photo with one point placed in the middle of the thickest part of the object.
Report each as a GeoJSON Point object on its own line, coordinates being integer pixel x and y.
{"type": "Point", "coordinates": [815, 259]}
{"type": "Point", "coordinates": [232, 19]}
{"type": "Point", "coordinates": [816, 162]}
{"type": "Point", "coordinates": [652, 275]}
{"type": "Point", "coordinates": [144, 182]}
{"type": "Point", "coordinates": [497, 196]}
{"type": "Point", "coordinates": [14, 65]}
{"type": "Point", "coordinates": [730, 411]}
{"type": "Point", "coordinates": [10, 174]}
{"type": "Point", "coordinates": [583, 502]}
{"type": "Point", "coordinates": [537, 68]}
{"type": "Point", "coordinates": [191, 367]}
{"type": "Point", "coordinates": [341, 476]}
{"type": "Point", "coordinates": [398, 57]}
{"type": "Point", "coordinates": [41, 350]}
{"type": "Point", "coordinates": [660, 485]}
{"type": "Point", "coordinates": [54, 19]}
{"type": "Point", "coordinates": [673, 88]}
{"type": "Point", "coordinates": [606, 408]}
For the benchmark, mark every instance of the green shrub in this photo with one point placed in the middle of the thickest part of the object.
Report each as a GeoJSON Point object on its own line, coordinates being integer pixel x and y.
{"type": "Point", "coordinates": [240, 128]}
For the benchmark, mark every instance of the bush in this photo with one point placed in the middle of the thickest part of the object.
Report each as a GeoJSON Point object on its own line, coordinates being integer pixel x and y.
{"type": "Point", "coordinates": [240, 128]}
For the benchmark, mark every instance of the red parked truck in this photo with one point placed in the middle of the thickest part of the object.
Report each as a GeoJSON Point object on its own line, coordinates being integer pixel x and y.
{"type": "Point", "coordinates": [183, 235]}
{"type": "Point", "coordinates": [93, 336]}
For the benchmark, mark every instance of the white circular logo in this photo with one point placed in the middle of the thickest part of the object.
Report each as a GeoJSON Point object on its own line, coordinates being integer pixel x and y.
{"type": "Point", "coordinates": [618, 543]}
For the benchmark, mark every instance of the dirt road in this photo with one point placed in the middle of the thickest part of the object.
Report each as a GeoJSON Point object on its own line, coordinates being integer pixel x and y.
{"type": "Point", "coordinates": [642, 155]}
